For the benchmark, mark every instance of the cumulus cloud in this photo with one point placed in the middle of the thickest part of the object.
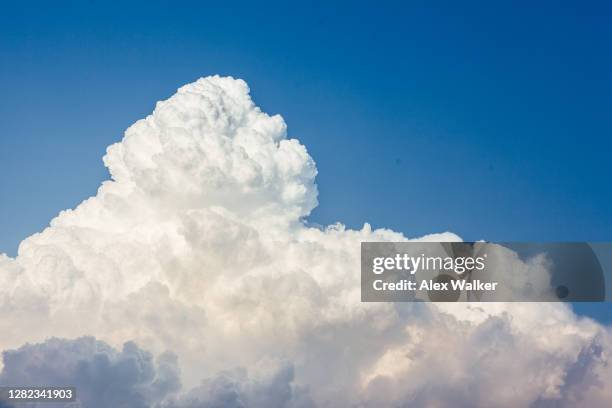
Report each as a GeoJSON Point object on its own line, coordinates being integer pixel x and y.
{"type": "Point", "coordinates": [103, 376]}
{"type": "Point", "coordinates": [106, 377]}
{"type": "Point", "coordinates": [198, 245]}
{"type": "Point", "coordinates": [270, 386]}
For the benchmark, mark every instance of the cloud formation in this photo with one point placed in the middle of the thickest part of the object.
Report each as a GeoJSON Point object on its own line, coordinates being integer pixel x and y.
{"type": "Point", "coordinates": [270, 386]}
{"type": "Point", "coordinates": [132, 378]}
{"type": "Point", "coordinates": [198, 246]}
{"type": "Point", "coordinates": [103, 376]}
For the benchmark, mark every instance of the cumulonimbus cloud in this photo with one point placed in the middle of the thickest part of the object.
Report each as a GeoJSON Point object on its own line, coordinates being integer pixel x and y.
{"type": "Point", "coordinates": [198, 245]}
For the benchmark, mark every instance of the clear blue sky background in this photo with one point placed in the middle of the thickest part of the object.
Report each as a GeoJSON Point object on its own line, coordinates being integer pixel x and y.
{"type": "Point", "coordinates": [488, 119]}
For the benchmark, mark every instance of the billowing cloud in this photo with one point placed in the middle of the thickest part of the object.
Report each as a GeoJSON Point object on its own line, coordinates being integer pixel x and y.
{"type": "Point", "coordinates": [103, 376]}
{"type": "Point", "coordinates": [198, 245]}
{"type": "Point", "coordinates": [271, 385]}
{"type": "Point", "coordinates": [132, 378]}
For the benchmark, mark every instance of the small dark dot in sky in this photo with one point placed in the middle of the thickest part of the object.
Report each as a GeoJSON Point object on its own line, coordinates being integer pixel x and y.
{"type": "Point", "coordinates": [562, 291]}
{"type": "Point", "coordinates": [398, 161]}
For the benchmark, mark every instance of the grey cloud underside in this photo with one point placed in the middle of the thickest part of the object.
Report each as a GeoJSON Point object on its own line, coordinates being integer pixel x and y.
{"type": "Point", "coordinates": [132, 378]}
{"type": "Point", "coordinates": [104, 377]}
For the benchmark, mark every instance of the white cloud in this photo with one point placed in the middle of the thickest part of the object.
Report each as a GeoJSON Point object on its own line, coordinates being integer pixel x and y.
{"type": "Point", "coordinates": [197, 246]}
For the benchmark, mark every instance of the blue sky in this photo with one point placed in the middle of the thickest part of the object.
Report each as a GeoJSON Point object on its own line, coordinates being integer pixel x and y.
{"type": "Point", "coordinates": [488, 119]}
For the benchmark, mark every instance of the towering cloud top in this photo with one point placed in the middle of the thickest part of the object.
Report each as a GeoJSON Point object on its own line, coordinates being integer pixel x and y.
{"type": "Point", "coordinates": [205, 171]}
{"type": "Point", "coordinates": [209, 145]}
